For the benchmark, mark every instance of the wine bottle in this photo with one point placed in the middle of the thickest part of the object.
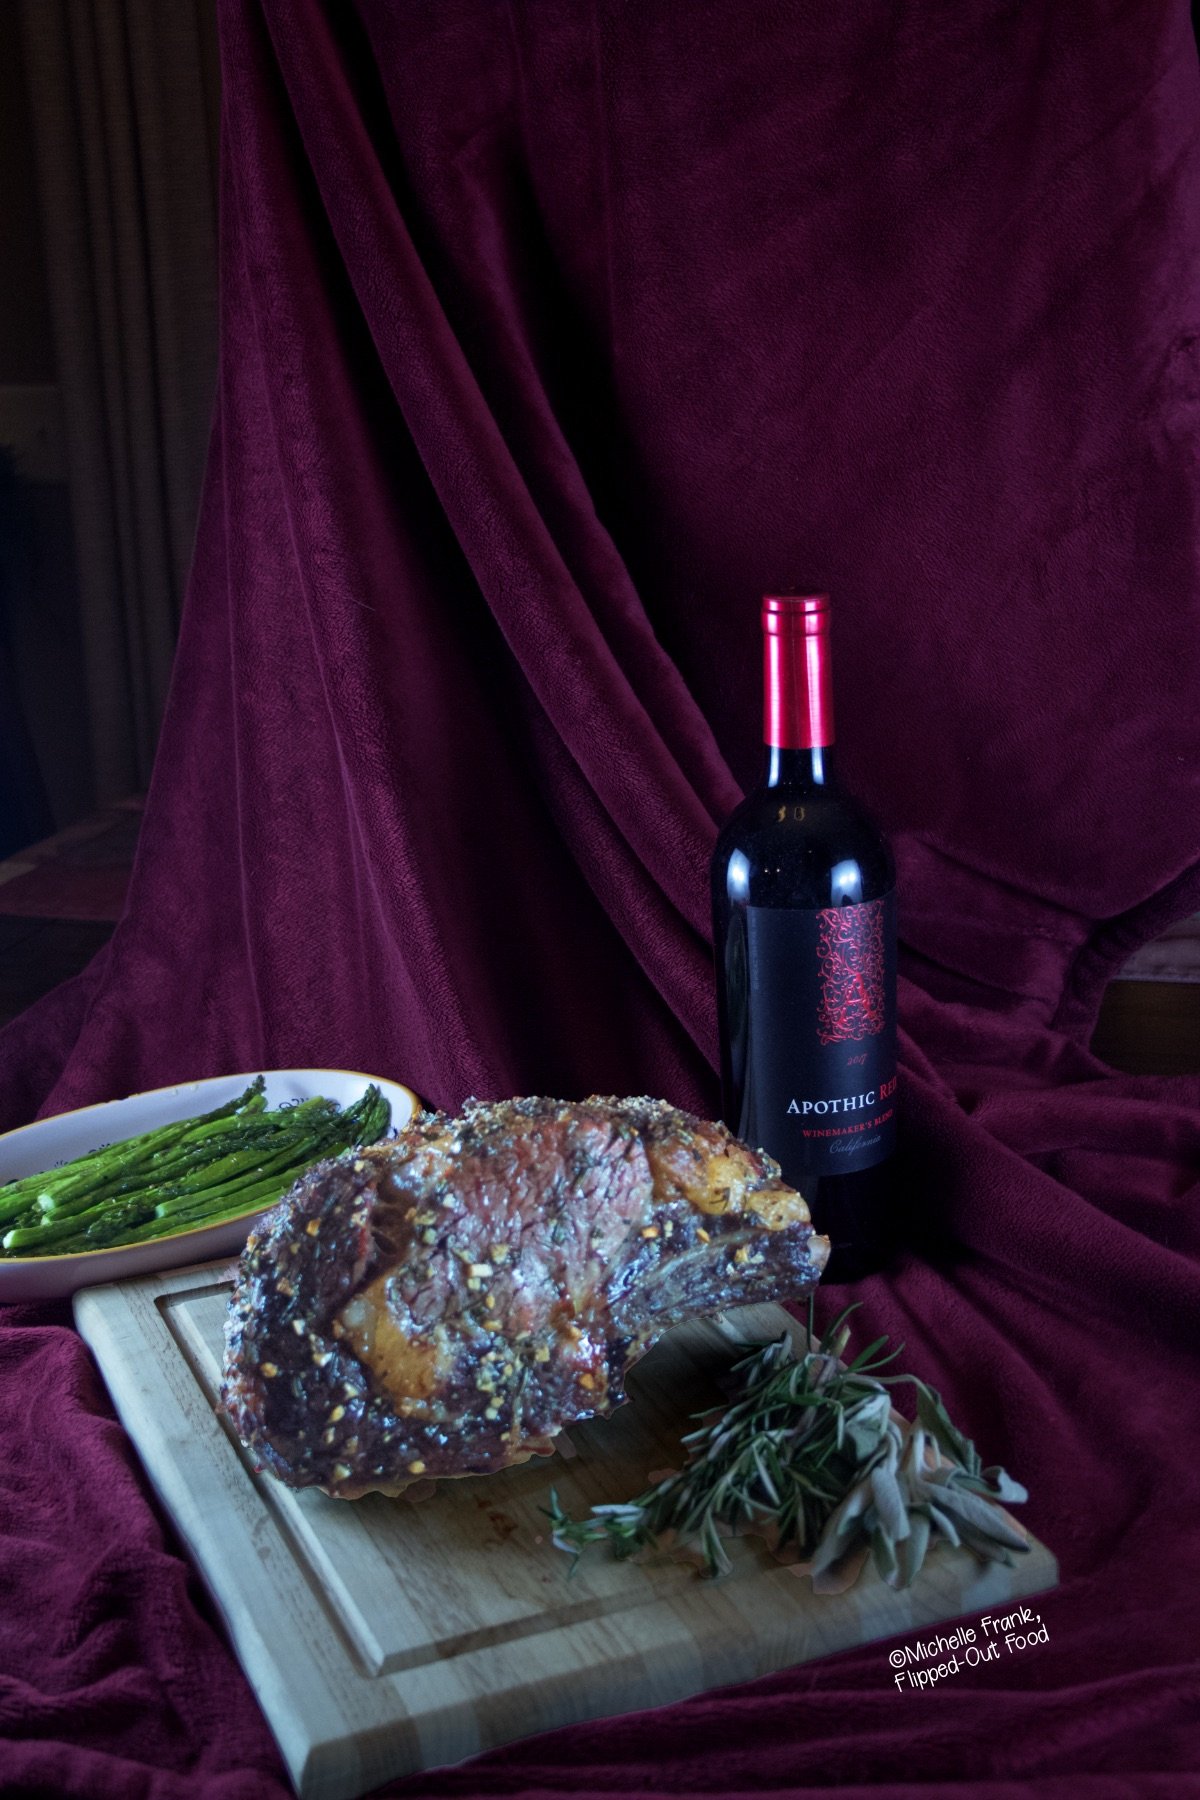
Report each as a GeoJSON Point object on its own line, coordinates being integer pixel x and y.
{"type": "Point", "coordinates": [804, 928]}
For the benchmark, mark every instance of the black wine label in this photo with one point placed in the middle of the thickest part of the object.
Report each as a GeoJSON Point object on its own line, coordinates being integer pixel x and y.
{"type": "Point", "coordinates": [820, 1075]}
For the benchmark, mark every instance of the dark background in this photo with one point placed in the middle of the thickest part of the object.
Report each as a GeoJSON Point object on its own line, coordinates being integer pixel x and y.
{"type": "Point", "coordinates": [109, 118]}
{"type": "Point", "coordinates": [40, 592]}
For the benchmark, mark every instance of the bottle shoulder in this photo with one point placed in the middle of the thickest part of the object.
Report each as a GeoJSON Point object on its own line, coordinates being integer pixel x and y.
{"type": "Point", "coordinates": [800, 847]}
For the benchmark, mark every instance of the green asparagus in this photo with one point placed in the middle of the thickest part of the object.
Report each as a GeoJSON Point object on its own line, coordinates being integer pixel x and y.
{"type": "Point", "coordinates": [235, 1159]}
{"type": "Point", "coordinates": [115, 1162]}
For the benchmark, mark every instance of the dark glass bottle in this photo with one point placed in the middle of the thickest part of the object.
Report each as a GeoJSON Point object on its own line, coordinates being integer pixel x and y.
{"type": "Point", "coordinates": [803, 888]}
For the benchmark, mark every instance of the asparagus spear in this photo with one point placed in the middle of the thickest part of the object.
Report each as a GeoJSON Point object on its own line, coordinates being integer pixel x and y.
{"type": "Point", "coordinates": [249, 1200]}
{"type": "Point", "coordinates": [208, 1163]}
{"type": "Point", "coordinates": [200, 1175]}
{"type": "Point", "coordinates": [114, 1161]}
{"type": "Point", "coordinates": [210, 1187]}
{"type": "Point", "coordinates": [186, 1162]}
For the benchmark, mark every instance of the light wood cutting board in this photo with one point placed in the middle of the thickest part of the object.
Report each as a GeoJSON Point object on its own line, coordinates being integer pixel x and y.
{"type": "Point", "coordinates": [383, 1636]}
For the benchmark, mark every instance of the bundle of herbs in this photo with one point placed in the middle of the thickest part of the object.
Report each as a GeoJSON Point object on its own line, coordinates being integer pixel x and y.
{"type": "Point", "coordinates": [811, 1455]}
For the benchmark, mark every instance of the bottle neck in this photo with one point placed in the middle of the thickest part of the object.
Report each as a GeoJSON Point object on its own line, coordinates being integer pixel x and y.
{"type": "Point", "coordinates": [797, 685]}
{"type": "Point", "coordinates": [799, 769]}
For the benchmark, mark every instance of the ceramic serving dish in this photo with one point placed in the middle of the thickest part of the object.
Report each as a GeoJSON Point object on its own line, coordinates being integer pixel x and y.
{"type": "Point", "coordinates": [48, 1142]}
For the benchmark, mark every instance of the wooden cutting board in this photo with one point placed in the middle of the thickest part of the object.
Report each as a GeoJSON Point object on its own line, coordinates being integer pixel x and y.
{"type": "Point", "coordinates": [385, 1636]}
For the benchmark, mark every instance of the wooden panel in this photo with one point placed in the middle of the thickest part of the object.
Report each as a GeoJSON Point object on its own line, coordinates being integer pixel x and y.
{"type": "Point", "coordinates": [383, 1636]}
{"type": "Point", "coordinates": [1150, 1027]}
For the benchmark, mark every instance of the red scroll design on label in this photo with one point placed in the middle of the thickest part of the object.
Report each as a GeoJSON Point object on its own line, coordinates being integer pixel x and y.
{"type": "Point", "coordinates": [851, 967]}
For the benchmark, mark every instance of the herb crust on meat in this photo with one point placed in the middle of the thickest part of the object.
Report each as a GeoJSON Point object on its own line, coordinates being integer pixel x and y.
{"type": "Point", "coordinates": [444, 1303]}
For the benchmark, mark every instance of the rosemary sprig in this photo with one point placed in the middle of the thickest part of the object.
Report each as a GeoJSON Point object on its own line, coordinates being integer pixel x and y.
{"type": "Point", "coordinates": [810, 1455]}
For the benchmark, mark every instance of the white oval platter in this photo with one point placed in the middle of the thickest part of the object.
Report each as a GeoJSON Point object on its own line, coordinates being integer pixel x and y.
{"type": "Point", "coordinates": [48, 1142]}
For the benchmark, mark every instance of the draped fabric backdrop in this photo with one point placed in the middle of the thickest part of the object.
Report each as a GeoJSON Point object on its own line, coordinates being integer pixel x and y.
{"type": "Point", "coordinates": [552, 336]}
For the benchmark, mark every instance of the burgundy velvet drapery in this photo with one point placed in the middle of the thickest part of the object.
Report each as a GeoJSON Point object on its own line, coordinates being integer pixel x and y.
{"type": "Point", "coordinates": [553, 335]}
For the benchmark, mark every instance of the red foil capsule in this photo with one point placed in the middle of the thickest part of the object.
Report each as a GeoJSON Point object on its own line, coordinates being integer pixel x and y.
{"type": "Point", "coordinates": [797, 689]}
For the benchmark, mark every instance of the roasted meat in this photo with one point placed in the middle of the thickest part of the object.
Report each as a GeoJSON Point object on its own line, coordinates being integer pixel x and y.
{"type": "Point", "coordinates": [445, 1303]}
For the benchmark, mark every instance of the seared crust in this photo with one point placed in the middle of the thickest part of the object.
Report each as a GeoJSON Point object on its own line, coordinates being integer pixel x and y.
{"type": "Point", "coordinates": [445, 1303]}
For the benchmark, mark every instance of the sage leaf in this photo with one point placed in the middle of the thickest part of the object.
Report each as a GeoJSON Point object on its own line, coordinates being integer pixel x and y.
{"type": "Point", "coordinates": [884, 1553]}
{"type": "Point", "coordinates": [1004, 1487]}
{"type": "Point", "coordinates": [981, 1516]}
{"type": "Point", "coordinates": [944, 1523]}
{"type": "Point", "coordinates": [867, 1424]}
{"type": "Point", "coordinates": [941, 1428]}
{"type": "Point", "coordinates": [911, 1555]}
{"type": "Point", "coordinates": [890, 1507]}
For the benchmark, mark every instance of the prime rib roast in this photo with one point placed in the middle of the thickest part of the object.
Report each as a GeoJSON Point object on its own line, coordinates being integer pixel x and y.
{"type": "Point", "coordinates": [444, 1303]}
